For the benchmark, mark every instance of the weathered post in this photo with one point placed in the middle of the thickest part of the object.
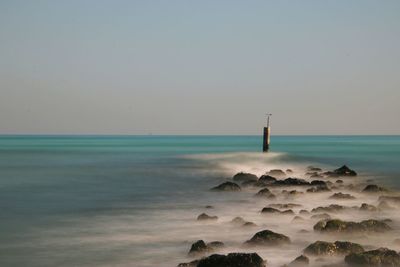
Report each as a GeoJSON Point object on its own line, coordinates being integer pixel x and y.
{"type": "Point", "coordinates": [266, 138]}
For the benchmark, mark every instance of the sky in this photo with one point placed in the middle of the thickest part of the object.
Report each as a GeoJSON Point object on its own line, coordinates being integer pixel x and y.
{"type": "Point", "coordinates": [199, 67]}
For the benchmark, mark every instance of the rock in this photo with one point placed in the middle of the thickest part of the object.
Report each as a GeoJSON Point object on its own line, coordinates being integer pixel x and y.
{"type": "Point", "coordinates": [243, 176]}
{"type": "Point", "coordinates": [330, 208]}
{"type": "Point", "coordinates": [277, 173]}
{"type": "Point", "coordinates": [209, 207]}
{"type": "Point", "coordinates": [374, 258]}
{"type": "Point", "coordinates": [373, 188]}
{"type": "Point", "coordinates": [331, 174]}
{"type": "Point", "coordinates": [265, 193]}
{"type": "Point", "coordinates": [292, 193]}
{"type": "Point", "coordinates": [316, 175]}
{"type": "Point", "coordinates": [205, 217]}
{"type": "Point", "coordinates": [318, 189]}
{"type": "Point", "coordinates": [395, 200]}
{"type": "Point", "coordinates": [238, 221]}
{"type": "Point", "coordinates": [299, 262]}
{"type": "Point", "coordinates": [227, 186]}
{"type": "Point", "coordinates": [291, 182]}
{"type": "Point", "coordinates": [368, 207]}
{"type": "Point", "coordinates": [322, 248]}
{"type": "Point", "coordinates": [276, 211]}
{"type": "Point", "coordinates": [267, 179]}
{"type": "Point", "coordinates": [319, 183]}
{"type": "Point", "coordinates": [232, 260]}
{"type": "Point", "coordinates": [189, 264]}
{"type": "Point", "coordinates": [289, 171]}
{"type": "Point", "coordinates": [345, 171]}
{"type": "Point", "coordinates": [383, 205]}
{"type": "Point", "coordinates": [249, 224]}
{"type": "Point", "coordinates": [249, 183]}
{"type": "Point", "coordinates": [298, 219]}
{"type": "Point", "coordinates": [349, 227]}
{"type": "Point", "coordinates": [268, 238]}
{"type": "Point", "coordinates": [304, 212]}
{"type": "Point", "coordinates": [215, 245]}
{"type": "Point", "coordinates": [340, 195]}
{"type": "Point", "coordinates": [339, 181]}
{"type": "Point", "coordinates": [313, 169]}
{"type": "Point", "coordinates": [303, 231]}
{"type": "Point", "coordinates": [199, 247]}
{"type": "Point", "coordinates": [284, 206]}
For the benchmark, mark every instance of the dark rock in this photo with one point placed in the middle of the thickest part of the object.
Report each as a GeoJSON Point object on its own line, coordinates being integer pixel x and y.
{"type": "Point", "coordinates": [291, 182]}
{"type": "Point", "coordinates": [289, 171]}
{"type": "Point", "coordinates": [232, 260]}
{"type": "Point", "coordinates": [265, 193]}
{"type": "Point", "coordinates": [299, 262]}
{"type": "Point", "coordinates": [345, 171]}
{"type": "Point", "coordinates": [298, 219]}
{"type": "Point", "coordinates": [243, 176]}
{"type": "Point", "coordinates": [215, 245]}
{"type": "Point", "coordinates": [284, 206]}
{"type": "Point", "coordinates": [209, 207]}
{"type": "Point", "coordinates": [312, 168]}
{"type": "Point", "coordinates": [267, 179]}
{"type": "Point", "coordinates": [199, 247]}
{"type": "Point", "coordinates": [340, 195]}
{"type": "Point", "coordinates": [318, 189]}
{"type": "Point", "coordinates": [276, 211]}
{"type": "Point", "coordinates": [205, 217]}
{"type": "Point", "coordinates": [227, 186]}
{"type": "Point", "coordinates": [339, 181]}
{"type": "Point", "coordinates": [349, 227]}
{"type": "Point", "coordinates": [374, 258]}
{"type": "Point", "coordinates": [319, 248]}
{"type": "Point", "coordinates": [249, 224]}
{"type": "Point", "coordinates": [189, 264]}
{"type": "Point", "coordinates": [268, 238]}
{"type": "Point", "coordinates": [330, 208]}
{"type": "Point", "coordinates": [250, 183]}
{"type": "Point", "coordinates": [277, 173]}
{"type": "Point", "coordinates": [319, 183]}
{"type": "Point", "coordinates": [304, 212]}
{"type": "Point", "coordinates": [368, 207]}
{"type": "Point", "coordinates": [316, 175]}
{"type": "Point", "coordinates": [373, 188]}
{"type": "Point", "coordinates": [331, 174]}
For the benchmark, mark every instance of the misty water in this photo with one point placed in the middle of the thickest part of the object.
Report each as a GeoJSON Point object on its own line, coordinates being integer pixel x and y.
{"type": "Point", "coordinates": [134, 200]}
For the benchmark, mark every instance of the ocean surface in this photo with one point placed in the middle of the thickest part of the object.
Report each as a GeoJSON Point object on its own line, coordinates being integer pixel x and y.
{"type": "Point", "coordinates": [133, 200]}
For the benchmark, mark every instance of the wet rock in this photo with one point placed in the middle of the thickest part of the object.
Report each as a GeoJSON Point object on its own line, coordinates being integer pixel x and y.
{"type": "Point", "coordinates": [374, 258]}
{"type": "Point", "coordinates": [289, 171]}
{"type": "Point", "coordinates": [199, 247]}
{"type": "Point", "coordinates": [349, 227]}
{"type": "Point", "coordinates": [227, 186]}
{"type": "Point", "coordinates": [345, 171]}
{"type": "Point", "coordinates": [319, 183]}
{"type": "Point", "coordinates": [243, 176]}
{"type": "Point", "coordinates": [267, 179]}
{"type": "Point", "coordinates": [284, 206]}
{"type": "Point", "coordinates": [238, 221]}
{"type": "Point", "coordinates": [340, 195]}
{"type": "Point", "coordinates": [339, 181]}
{"type": "Point", "coordinates": [206, 217]}
{"type": "Point", "coordinates": [215, 245]}
{"type": "Point", "coordinates": [291, 182]}
{"type": "Point", "coordinates": [373, 188]}
{"type": "Point", "coordinates": [276, 211]}
{"type": "Point", "coordinates": [299, 262]}
{"type": "Point", "coordinates": [266, 193]}
{"type": "Point", "coordinates": [189, 264]}
{"type": "Point", "coordinates": [316, 175]}
{"type": "Point", "coordinates": [298, 219]}
{"type": "Point", "coordinates": [249, 183]}
{"type": "Point", "coordinates": [209, 207]}
{"type": "Point", "coordinates": [322, 248]}
{"type": "Point", "coordinates": [330, 208]}
{"type": "Point", "coordinates": [232, 260]}
{"type": "Point", "coordinates": [368, 207]}
{"type": "Point", "coordinates": [304, 212]}
{"type": "Point", "coordinates": [276, 173]}
{"type": "Point", "coordinates": [268, 238]}
{"type": "Point", "coordinates": [303, 231]}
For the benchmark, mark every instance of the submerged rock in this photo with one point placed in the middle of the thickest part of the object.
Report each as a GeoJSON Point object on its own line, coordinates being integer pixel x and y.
{"type": "Point", "coordinates": [249, 224]}
{"type": "Point", "coordinates": [318, 189]}
{"type": "Point", "coordinates": [227, 186]}
{"type": "Point", "coordinates": [276, 211]}
{"type": "Point", "coordinates": [349, 227]}
{"type": "Point", "coordinates": [321, 216]}
{"type": "Point", "coordinates": [206, 217]}
{"type": "Point", "coordinates": [243, 176]}
{"type": "Point", "coordinates": [395, 200]}
{"type": "Point", "coordinates": [268, 238]}
{"type": "Point", "coordinates": [265, 193]}
{"type": "Point", "coordinates": [267, 179]}
{"type": "Point", "coordinates": [238, 221]}
{"type": "Point", "coordinates": [368, 207]}
{"type": "Point", "coordinates": [374, 258]}
{"type": "Point", "coordinates": [232, 260]}
{"type": "Point", "coordinates": [340, 195]}
{"type": "Point", "coordinates": [321, 248]}
{"type": "Point", "coordinates": [313, 169]}
{"type": "Point", "coordinates": [276, 172]}
{"type": "Point", "coordinates": [291, 182]}
{"type": "Point", "coordinates": [330, 208]}
{"type": "Point", "coordinates": [373, 188]}
{"type": "Point", "coordinates": [299, 262]}
{"type": "Point", "coordinates": [285, 206]}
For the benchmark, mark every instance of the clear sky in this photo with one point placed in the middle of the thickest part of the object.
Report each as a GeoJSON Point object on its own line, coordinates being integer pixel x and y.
{"type": "Point", "coordinates": [199, 67]}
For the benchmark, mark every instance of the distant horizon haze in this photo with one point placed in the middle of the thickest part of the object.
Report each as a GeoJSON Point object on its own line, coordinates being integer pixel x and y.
{"type": "Point", "coordinates": [199, 68]}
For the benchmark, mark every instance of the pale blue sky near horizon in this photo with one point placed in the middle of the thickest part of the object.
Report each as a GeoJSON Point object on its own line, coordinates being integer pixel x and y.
{"type": "Point", "coordinates": [199, 67]}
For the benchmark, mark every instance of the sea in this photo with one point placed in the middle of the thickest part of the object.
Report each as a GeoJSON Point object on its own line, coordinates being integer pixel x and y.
{"type": "Point", "coordinates": [134, 200]}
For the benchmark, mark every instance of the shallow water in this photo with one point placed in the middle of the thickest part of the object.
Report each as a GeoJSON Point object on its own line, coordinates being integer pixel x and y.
{"type": "Point", "coordinates": [133, 200]}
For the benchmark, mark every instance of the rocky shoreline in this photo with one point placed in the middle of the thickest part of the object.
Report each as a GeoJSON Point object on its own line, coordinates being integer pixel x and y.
{"type": "Point", "coordinates": [283, 192]}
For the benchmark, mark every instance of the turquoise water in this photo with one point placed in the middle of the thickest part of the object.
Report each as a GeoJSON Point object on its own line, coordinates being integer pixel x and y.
{"type": "Point", "coordinates": [59, 193]}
